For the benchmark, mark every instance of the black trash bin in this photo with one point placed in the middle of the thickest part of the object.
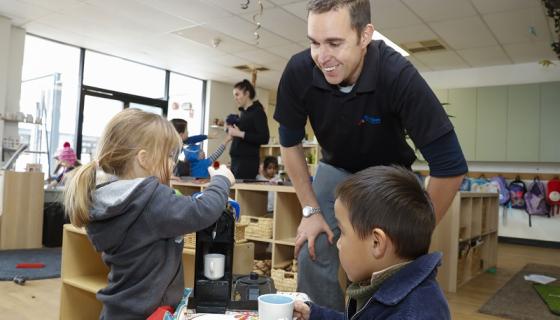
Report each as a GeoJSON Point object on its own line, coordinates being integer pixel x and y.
{"type": "Point", "coordinates": [53, 220]}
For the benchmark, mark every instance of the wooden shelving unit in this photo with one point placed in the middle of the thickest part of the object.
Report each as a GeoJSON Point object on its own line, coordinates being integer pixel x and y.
{"type": "Point", "coordinates": [252, 199]}
{"type": "Point", "coordinates": [83, 273]}
{"type": "Point", "coordinates": [468, 238]}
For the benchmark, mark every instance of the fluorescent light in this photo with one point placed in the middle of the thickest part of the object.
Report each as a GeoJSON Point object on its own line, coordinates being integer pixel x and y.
{"type": "Point", "coordinates": [379, 36]}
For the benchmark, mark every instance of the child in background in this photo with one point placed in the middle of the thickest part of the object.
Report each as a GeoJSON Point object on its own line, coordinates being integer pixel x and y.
{"type": "Point", "coordinates": [269, 172]}
{"type": "Point", "coordinates": [135, 219]}
{"type": "Point", "coordinates": [386, 221]}
{"type": "Point", "coordinates": [182, 167]}
{"type": "Point", "coordinates": [192, 161]}
{"type": "Point", "coordinates": [197, 161]}
{"type": "Point", "coordinates": [67, 161]}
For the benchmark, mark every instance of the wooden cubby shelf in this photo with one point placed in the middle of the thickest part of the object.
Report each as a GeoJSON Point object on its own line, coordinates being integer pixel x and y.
{"type": "Point", "coordinates": [468, 238]}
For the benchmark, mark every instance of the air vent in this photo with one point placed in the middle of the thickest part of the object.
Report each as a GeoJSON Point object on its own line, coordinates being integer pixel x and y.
{"type": "Point", "coordinates": [249, 69]}
{"type": "Point", "coordinates": [423, 46]}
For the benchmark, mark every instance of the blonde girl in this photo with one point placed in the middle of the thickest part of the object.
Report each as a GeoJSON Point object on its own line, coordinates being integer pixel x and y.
{"type": "Point", "coordinates": [134, 218]}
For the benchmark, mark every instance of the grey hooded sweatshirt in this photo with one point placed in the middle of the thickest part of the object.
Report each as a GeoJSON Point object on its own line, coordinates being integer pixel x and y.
{"type": "Point", "coordinates": [138, 225]}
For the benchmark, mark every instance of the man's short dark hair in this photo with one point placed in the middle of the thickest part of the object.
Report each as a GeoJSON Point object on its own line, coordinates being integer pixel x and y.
{"type": "Point", "coordinates": [179, 124]}
{"type": "Point", "coordinates": [360, 13]}
{"type": "Point", "coordinates": [268, 160]}
{"type": "Point", "coordinates": [390, 198]}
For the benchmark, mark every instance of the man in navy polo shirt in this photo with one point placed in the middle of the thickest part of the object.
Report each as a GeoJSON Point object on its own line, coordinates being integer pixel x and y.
{"type": "Point", "coordinates": [361, 98]}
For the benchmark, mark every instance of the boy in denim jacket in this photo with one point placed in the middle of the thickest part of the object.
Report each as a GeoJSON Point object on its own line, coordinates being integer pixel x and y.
{"type": "Point", "coordinates": [386, 221]}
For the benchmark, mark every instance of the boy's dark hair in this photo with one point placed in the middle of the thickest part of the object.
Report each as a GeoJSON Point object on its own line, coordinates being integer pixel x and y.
{"type": "Point", "coordinates": [270, 160]}
{"type": "Point", "coordinates": [179, 124]}
{"type": "Point", "coordinates": [360, 15]}
{"type": "Point", "coordinates": [392, 199]}
{"type": "Point", "coordinates": [245, 86]}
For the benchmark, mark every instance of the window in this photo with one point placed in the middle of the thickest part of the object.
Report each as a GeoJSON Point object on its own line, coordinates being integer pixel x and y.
{"type": "Point", "coordinates": [121, 75]}
{"type": "Point", "coordinates": [186, 101]}
{"type": "Point", "coordinates": [49, 95]}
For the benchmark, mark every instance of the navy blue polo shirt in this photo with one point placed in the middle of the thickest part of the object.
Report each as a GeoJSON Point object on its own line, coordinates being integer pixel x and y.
{"type": "Point", "coordinates": [366, 126]}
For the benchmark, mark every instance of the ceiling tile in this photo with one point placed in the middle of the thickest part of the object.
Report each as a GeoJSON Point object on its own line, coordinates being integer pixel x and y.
{"type": "Point", "coordinates": [282, 23]}
{"type": "Point", "coordinates": [392, 14]}
{"type": "Point", "coordinates": [206, 36]}
{"type": "Point", "coordinates": [287, 51]}
{"type": "Point", "coordinates": [417, 64]}
{"type": "Point", "coordinates": [515, 26]}
{"type": "Point", "coordinates": [283, 2]}
{"type": "Point", "coordinates": [414, 33]}
{"type": "Point", "coordinates": [22, 11]}
{"type": "Point", "coordinates": [259, 57]}
{"type": "Point", "coordinates": [438, 10]}
{"type": "Point", "coordinates": [493, 6]}
{"type": "Point", "coordinates": [181, 47]}
{"type": "Point", "coordinates": [443, 60]}
{"type": "Point", "coordinates": [143, 14]}
{"type": "Point", "coordinates": [198, 11]}
{"type": "Point", "coordinates": [464, 33]}
{"type": "Point", "coordinates": [54, 5]}
{"type": "Point", "coordinates": [230, 60]}
{"type": "Point", "coordinates": [234, 6]}
{"type": "Point", "coordinates": [530, 52]}
{"type": "Point", "coordinates": [244, 30]}
{"type": "Point", "coordinates": [483, 57]}
{"type": "Point", "coordinates": [277, 65]}
{"type": "Point", "coordinates": [299, 9]}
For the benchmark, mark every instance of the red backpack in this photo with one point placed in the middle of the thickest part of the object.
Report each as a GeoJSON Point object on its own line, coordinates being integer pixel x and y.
{"type": "Point", "coordinates": [553, 195]}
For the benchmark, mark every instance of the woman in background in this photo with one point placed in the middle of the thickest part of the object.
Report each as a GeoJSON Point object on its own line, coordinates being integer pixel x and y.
{"type": "Point", "coordinates": [249, 132]}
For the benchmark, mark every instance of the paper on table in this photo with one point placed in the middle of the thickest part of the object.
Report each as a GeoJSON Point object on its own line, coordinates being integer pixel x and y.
{"type": "Point", "coordinates": [539, 278]}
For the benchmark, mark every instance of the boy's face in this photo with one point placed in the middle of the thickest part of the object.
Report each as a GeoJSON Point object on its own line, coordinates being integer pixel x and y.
{"type": "Point", "coordinates": [355, 254]}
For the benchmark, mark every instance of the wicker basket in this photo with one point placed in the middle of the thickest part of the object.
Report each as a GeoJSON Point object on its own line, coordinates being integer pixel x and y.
{"type": "Point", "coordinates": [239, 234]}
{"type": "Point", "coordinates": [284, 280]}
{"type": "Point", "coordinates": [257, 227]}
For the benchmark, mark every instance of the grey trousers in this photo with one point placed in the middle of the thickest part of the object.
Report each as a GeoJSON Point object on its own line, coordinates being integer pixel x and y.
{"type": "Point", "coordinates": [319, 278]}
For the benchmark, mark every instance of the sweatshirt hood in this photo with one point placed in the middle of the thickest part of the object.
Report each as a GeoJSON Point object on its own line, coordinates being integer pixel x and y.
{"type": "Point", "coordinates": [117, 204]}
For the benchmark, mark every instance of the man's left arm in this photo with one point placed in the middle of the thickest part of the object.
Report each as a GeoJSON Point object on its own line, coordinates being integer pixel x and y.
{"type": "Point", "coordinates": [447, 169]}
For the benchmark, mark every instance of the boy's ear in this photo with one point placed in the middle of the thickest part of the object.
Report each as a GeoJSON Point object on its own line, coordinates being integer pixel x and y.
{"type": "Point", "coordinates": [379, 243]}
{"type": "Point", "coordinates": [142, 158]}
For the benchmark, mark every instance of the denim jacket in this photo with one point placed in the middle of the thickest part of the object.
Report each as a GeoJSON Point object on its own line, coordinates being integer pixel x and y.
{"type": "Point", "coordinates": [411, 293]}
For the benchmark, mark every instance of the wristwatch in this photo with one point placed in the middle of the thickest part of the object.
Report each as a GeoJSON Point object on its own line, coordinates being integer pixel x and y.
{"type": "Point", "coordinates": [308, 211]}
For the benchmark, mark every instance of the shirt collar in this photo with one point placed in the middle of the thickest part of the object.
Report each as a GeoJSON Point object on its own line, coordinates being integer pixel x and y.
{"type": "Point", "coordinates": [396, 288]}
{"type": "Point", "coordinates": [368, 77]}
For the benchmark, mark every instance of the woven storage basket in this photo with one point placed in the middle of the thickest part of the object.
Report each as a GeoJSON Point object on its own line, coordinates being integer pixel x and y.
{"type": "Point", "coordinates": [284, 280]}
{"type": "Point", "coordinates": [190, 239]}
{"type": "Point", "coordinates": [257, 227]}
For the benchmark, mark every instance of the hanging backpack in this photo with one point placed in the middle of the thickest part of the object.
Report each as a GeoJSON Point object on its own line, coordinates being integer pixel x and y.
{"type": "Point", "coordinates": [553, 195]}
{"type": "Point", "coordinates": [517, 190]}
{"type": "Point", "coordinates": [535, 200]}
{"type": "Point", "coordinates": [503, 190]}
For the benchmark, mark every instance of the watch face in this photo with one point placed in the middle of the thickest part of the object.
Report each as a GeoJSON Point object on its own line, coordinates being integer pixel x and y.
{"type": "Point", "coordinates": [306, 211]}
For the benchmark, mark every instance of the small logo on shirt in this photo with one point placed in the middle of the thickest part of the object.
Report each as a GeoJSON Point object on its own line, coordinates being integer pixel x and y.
{"type": "Point", "coordinates": [370, 119]}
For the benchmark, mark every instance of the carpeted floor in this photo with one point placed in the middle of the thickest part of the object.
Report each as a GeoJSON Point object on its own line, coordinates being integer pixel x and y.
{"type": "Point", "coordinates": [518, 300]}
{"type": "Point", "coordinates": [50, 257]}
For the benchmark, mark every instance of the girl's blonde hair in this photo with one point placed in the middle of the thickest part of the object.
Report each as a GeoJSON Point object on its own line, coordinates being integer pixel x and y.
{"type": "Point", "coordinates": [128, 132]}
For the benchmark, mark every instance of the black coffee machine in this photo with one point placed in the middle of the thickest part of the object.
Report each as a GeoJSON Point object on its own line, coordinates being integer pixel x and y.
{"type": "Point", "coordinates": [213, 296]}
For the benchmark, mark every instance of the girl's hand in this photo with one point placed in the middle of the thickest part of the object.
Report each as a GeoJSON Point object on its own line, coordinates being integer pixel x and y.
{"type": "Point", "coordinates": [222, 171]}
{"type": "Point", "coordinates": [301, 310]}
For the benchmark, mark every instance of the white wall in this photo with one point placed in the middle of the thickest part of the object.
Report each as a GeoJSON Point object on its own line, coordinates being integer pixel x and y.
{"type": "Point", "coordinates": [219, 104]}
{"type": "Point", "coordinates": [493, 76]}
{"type": "Point", "coordinates": [515, 224]}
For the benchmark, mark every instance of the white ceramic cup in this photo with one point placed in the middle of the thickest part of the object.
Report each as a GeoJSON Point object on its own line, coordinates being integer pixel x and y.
{"type": "Point", "coordinates": [276, 307]}
{"type": "Point", "coordinates": [214, 264]}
